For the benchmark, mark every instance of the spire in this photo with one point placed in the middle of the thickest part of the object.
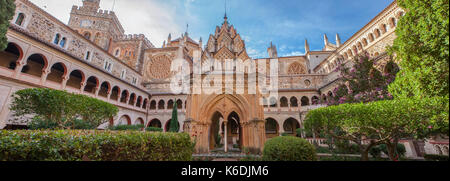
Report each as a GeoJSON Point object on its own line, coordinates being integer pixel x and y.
{"type": "Point", "coordinates": [169, 39]}
{"type": "Point", "coordinates": [325, 39]}
{"type": "Point", "coordinates": [225, 17]}
{"type": "Point", "coordinates": [306, 46]}
{"type": "Point", "coordinates": [200, 43]}
{"type": "Point", "coordinates": [164, 44]}
{"type": "Point", "coordinates": [187, 29]}
{"type": "Point", "coordinates": [338, 40]}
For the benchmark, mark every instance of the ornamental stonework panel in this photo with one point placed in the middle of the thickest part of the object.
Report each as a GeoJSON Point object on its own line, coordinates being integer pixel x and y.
{"type": "Point", "coordinates": [159, 67]}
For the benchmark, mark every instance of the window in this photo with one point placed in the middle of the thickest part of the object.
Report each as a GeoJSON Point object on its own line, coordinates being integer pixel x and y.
{"type": "Point", "coordinates": [123, 74]}
{"type": "Point", "coordinates": [117, 53]}
{"type": "Point", "coordinates": [20, 19]}
{"type": "Point", "coordinates": [62, 44]}
{"type": "Point", "coordinates": [108, 66]}
{"type": "Point", "coordinates": [57, 39]}
{"type": "Point", "coordinates": [134, 81]}
{"type": "Point", "coordinates": [88, 56]}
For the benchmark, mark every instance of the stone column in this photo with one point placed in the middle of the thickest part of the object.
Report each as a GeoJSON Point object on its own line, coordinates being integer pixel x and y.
{"type": "Point", "coordinates": [226, 135]}
{"type": "Point", "coordinates": [64, 82]}
{"type": "Point", "coordinates": [44, 76]}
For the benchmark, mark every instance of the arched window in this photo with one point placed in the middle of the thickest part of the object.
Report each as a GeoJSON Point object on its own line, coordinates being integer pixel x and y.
{"type": "Point", "coordinates": [371, 37]}
{"type": "Point", "coordinates": [20, 18]}
{"type": "Point", "coordinates": [139, 101]}
{"type": "Point", "coordinates": [315, 100]}
{"type": "Point", "coordinates": [36, 64]}
{"type": "Point", "coordinates": [10, 56]}
{"type": "Point", "coordinates": [170, 104]}
{"type": "Point", "coordinates": [271, 126]}
{"type": "Point", "coordinates": [104, 89]}
{"type": "Point", "coordinates": [153, 105]}
{"type": "Point", "coordinates": [155, 123]}
{"type": "Point", "coordinates": [179, 104]}
{"type": "Point", "coordinates": [117, 52]}
{"type": "Point", "coordinates": [132, 99]}
{"type": "Point", "coordinates": [124, 96]}
{"type": "Point", "coordinates": [115, 93]}
{"type": "Point", "coordinates": [161, 104]}
{"type": "Point", "coordinates": [283, 102]}
{"type": "Point", "coordinates": [75, 79]}
{"type": "Point", "coordinates": [393, 22]}
{"type": "Point", "coordinates": [305, 101]}
{"type": "Point", "coordinates": [377, 33]}
{"type": "Point", "coordinates": [87, 35]}
{"type": "Point", "coordinates": [294, 102]}
{"type": "Point", "coordinates": [91, 85]}
{"type": "Point", "coordinates": [365, 43]}
{"type": "Point", "coordinates": [57, 39]}
{"type": "Point", "coordinates": [62, 44]}
{"type": "Point", "coordinates": [144, 104]}
{"type": "Point", "coordinates": [57, 73]}
{"type": "Point", "coordinates": [290, 125]}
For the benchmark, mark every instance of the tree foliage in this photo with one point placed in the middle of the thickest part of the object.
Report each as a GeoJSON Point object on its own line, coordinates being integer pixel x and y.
{"type": "Point", "coordinates": [422, 47]}
{"type": "Point", "coordinates": [174, 125]}
{"type": "Point", "coordinates": [60, 108]}
{"type": "Point", "coordinates": [7, 9]}
{"type": "Point", "coordinates": [382, 122]}
{"type": "Point", "coordinates": [363, 82]}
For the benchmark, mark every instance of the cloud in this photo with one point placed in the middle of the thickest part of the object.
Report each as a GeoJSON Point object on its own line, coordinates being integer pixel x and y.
{"type": "Point", "coordinates": [154, 19]}
{"type": "Point", "coordinates": [294, 53]}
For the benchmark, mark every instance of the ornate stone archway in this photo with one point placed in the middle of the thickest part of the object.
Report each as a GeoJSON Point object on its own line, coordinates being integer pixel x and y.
{"type": "Point", "coordinates": [202, 109]}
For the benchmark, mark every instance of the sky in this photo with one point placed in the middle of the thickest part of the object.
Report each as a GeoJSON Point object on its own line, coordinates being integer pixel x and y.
{"type": "Point", "coordinates": [286, 23]}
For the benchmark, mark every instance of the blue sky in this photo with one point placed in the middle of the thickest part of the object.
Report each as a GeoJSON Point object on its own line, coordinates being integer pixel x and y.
{"type": "Point", "coordinates": [284, 22]}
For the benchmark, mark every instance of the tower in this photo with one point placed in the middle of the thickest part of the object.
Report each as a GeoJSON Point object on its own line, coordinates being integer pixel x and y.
{"type": "Point", "coordinates": [91, 5]}
{"type": "Point", "coordinates": [272, 50]}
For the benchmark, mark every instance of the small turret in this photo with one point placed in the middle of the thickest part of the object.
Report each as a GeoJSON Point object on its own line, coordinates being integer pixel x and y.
{"type": "Point", "coordinates": [306, 46]}
{"type": "Point", "coordinates": [325, 39]}
{"type": "Point", "coordinates": [338, 40]}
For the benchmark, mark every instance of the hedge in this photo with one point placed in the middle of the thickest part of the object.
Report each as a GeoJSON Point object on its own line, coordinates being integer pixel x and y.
{"type": "Point", "coordinates": [82, 145]}
{"type": "Point", "coordinates": [154, 129]}
{"type": "Point", "coordinates": [288, 148]}
{"type": "Point", "coordinates": [138, 127]}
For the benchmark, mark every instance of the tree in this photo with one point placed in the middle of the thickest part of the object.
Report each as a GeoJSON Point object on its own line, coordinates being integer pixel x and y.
{"type": "Point", "coordinates": [382, 122]}
{"type": "Point", "coordinates": [7, 9]}
{"type": "Point", "coordinates": [59, 108]}
{"type": "Point", "coordinates": [362, 82]}
{"type": "Point", "coordinates": [422, 47]}
{"type": "Point", "coordinates": [174, 126]}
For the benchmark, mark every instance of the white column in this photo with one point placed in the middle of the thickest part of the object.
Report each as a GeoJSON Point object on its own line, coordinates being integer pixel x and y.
{"type": "Point", "coordinates": [226, 136]}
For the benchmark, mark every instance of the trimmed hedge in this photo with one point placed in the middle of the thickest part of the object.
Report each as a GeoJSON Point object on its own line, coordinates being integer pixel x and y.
{"type": "Point", "coordinates": [288, 148]}
{"type": "Point", "coordinates": [79, 145]}
{"type": "Point", "coordinates": [127, 127]}
{"type": "Point", "coordinates": [154, 129]}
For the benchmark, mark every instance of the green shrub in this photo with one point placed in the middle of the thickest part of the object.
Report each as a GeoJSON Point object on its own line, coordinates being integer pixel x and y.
{"type": "Point", "coordinates": [60, 107]}
{"type": "Point", "coordinates": [285, 134]}
{"type": "Point", "coordinates": [375, 152]}
{"type": "Point", "coordinates": [127, 127]}
{"type": "Point", "coordinates": [83, 145]}
{"type": "Point", "coordinates": [320, 149]}
{"type": "Point", "coordinates": [436, 157]}
{"type": "Point", "coordinates": [288, 148]}
{"type": "Point", "coordinates": [154, 129]}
